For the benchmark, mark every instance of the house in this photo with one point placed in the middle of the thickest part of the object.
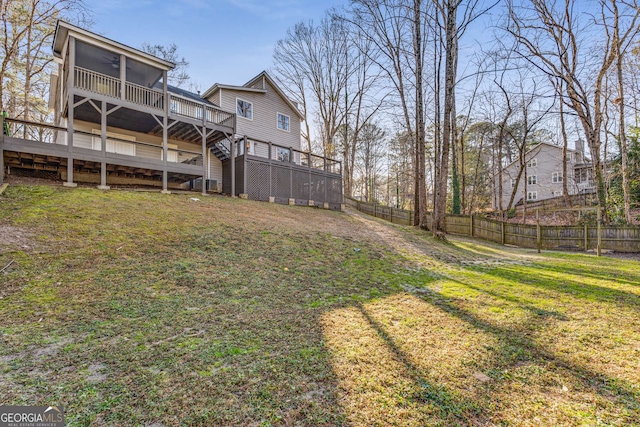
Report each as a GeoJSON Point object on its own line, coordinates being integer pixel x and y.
{"type": "Point", "coordinates": [118, 121]}
{"type": "Point", "coordinates": [542, 176]}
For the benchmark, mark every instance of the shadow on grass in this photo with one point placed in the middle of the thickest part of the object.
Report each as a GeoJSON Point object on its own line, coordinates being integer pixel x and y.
{"type": "Point", "coordinates": [605, 386]}
{"type": "Point", "coordinates": [547, 278]}
{"type": "Point", "coordinates": [517, 301]}
{"type": "Point", "coordinates": [611, 273]}
{"type": "Point", "coordinates": [450, 406]}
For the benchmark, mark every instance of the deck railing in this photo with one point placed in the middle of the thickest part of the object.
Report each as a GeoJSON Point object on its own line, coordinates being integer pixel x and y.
{"type": "Point", "coordinates": [97, 82]}
{"type": "Point", "coordinates": [220, 117]}
{"type": "Point", "coordinates": [144, 96]}
{"type": "Point", "coordinates": [102, 84]}
{"type": "Point", "coordinates": [50, 134]}
{"type": "Point", "coordinates": [276, 152]}
{"type": "Point", "coordinates": [192, 109]}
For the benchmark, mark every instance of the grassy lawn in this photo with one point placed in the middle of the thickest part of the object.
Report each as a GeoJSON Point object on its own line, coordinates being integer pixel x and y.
{"type": "Point", "coordinates": [133, 308]}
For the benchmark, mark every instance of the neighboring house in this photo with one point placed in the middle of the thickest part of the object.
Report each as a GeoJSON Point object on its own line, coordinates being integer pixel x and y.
{"type": "Point", "coordinates": [543, 176]}
{"type": "Point", "coordinates": [118, 121]}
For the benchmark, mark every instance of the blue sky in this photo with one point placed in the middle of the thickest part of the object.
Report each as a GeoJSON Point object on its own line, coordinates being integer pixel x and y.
{"type": "Point", "coordinates": [224, 41]}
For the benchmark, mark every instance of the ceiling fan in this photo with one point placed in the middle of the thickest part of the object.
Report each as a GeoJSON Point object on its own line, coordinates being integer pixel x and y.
{"type": "Point", "coordinates": [114, 62]}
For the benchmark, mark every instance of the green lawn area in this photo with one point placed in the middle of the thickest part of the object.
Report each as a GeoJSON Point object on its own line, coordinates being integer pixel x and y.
{"type": "Point", "coordinates": [136, 308]}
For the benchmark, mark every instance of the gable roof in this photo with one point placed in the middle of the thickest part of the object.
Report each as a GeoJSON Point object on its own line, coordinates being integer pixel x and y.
{"type": "Point", "coordinates": [536, 147]}
{"type": "Point", "coordinates": [64, 28]}
{"type": "Point", "coordinates": [247, 87]}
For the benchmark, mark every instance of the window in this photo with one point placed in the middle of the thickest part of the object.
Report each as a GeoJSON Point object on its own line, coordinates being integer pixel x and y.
{"type": "Point", "coordinates": [283, 154]}
{"type": "Point", "coordinates": [532, 195]}
{"type": "Point", "coordinates": [283, 122]}
{"type": "Point", "coordinates": [532, 180]}
{"type": "Point", "coordinates": [532, 163]}
{"type": "Point", "coordinates": [556, 177]}
{"type": "Point", "coordinates": [245, 109]}
{"type": "Point", "coordinates": [513, 182]}
{"type": "Point", "coordinates": [556, 193]}
{"type": "Point", "coordinates": [116, 145]}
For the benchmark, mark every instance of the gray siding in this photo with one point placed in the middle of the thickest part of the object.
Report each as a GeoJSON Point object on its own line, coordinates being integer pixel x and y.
{"type": "Point", "coordinates": [266, 107]}
{"type": "Point", "coordinates": [549, 160]}
{"type": "Point", "coordinates": [215, 169]}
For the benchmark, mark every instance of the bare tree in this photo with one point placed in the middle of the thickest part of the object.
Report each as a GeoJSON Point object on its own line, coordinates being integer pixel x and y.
{"type": "Point", "coordinates": [453, 30]}
{"type": "Point", "coordinates": [313, 58]}
{"type": "Point", "coordinates": [28, 28]}
{"type": "Point", "coordinates": [619, 49]}
{"type": "Point", "coordinates": [179, 76]}
{"type": "Point", "coordinates": [371, 152]}
{"type": "Point", "coordinates": [551, 35]}
{"type": "Point", "coordinates": [396, 29]}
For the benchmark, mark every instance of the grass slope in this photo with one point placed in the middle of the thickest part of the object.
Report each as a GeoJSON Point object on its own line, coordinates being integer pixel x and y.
{"type": "Point", "coordinates": [145, 309]}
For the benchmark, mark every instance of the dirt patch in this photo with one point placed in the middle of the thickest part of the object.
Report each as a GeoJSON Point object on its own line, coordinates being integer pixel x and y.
{"type": "Point", "coordinates": [12, 237]}
{"type": "Point", "coordinates": [411, 242]}
{"type": "Point", "coordinates": [51, 349]}
{"type": "Point", "coordinates": [96, 373]}
{"type": "Point", "coordinates": [30, 180]}
{"type": "Point", "coordinates": [623, 255]}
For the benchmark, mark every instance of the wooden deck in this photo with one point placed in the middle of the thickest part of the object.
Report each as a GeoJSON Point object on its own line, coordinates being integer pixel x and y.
{"type": "Point", "coordinates": [39, 146]}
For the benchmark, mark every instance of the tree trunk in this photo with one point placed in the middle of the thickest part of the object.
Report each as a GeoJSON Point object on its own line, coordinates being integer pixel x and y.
{"type": "Point", "coordinates": [621, 124]}
{"type": "Point", "coordinates": [420, 183]}
{"type": "Point", "coordinates": [439, 220]}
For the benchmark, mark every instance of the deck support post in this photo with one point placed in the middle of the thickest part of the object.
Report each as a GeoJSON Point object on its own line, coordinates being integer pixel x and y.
{"type": "Point", "coordinates": [245, 185]}
{"type": "Point", "coordinates": [1, 149]}
{"type": "Point", "coordinates": [70, 110]}
{"type": "Point", "coordinates": [103, 147]}
{"type": "Point", "coordinates": [233, 166]}
{"type": "Point", "coordinates": [123, 76]}
{"type": "Point", "coordinates": [204, 157]}
{"type": "Point", "coordinates": [165, 129]}
{"type": "Point", "coordinates": [325, 181]}
{"type": "Point", "coordinates": [270, 171]}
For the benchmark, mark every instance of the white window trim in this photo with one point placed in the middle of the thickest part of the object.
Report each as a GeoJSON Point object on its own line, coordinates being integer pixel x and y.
{"type": "Point", "coordinates": [532, 178]}
{"type": "Point", "coordinates": [248, 102]}
{"type": "Point", "coordinates": [513, 182]}
{"type": "Point", "coordinates": [278, 122]}
{"type": "Point", "coordinates": [532, 163]}
{"type": "Point", "coordinates": [557, 178]}
{"type": "Point", "coordinates": [532, 193]}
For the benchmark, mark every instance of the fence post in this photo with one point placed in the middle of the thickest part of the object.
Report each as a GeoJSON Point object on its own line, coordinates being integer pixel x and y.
{"type": "Point", "coordinates": [586, 236]}
{"type": "Point", "coordinates": [391, 215]}
{"type": "Point", "coordinates": [599, 247]}
{"type": "Point", "coordinates": [375, 211]}
{"type": "Point", "coordinates": [538, 237]}
{"type": "Point", "coordinates": [502, 232]}
{"type": "Point", "coordinates": [2, 129]}
{"type": "Point", "coordinates": [471, 225]}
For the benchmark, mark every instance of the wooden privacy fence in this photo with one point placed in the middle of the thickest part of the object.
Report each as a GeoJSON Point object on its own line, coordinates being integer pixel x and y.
{"type": "Point", "coordinates": [584, 237]}
{"type": "Point", "coordinates": [388, 213]}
